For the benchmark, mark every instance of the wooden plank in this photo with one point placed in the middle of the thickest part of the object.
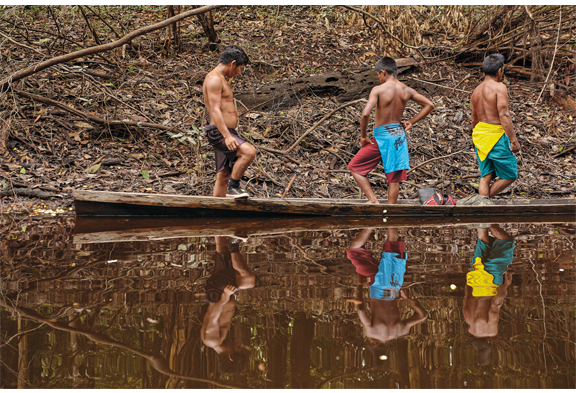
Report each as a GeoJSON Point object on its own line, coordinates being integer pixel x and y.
{"type": "Point", "coordinates": [107, 230]}
{"type": "Point", "coordinates": [102, 203]}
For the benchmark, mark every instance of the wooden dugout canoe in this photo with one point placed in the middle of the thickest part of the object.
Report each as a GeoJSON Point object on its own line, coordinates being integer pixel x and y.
{"type": "Point", "coordinates": [113, 204]}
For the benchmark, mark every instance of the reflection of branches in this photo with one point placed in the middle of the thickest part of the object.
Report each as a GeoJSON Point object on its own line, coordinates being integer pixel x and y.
{"type": "Point", "coordinates": [321, 384]}
{"type": "Point", "coordinates": [156, 361]}
{"type": "Point", "coordinates": [6, 342]}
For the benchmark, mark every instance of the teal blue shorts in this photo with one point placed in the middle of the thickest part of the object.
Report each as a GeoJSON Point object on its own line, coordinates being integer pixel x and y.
{"type": "Point", "coordinates": [499, 160]}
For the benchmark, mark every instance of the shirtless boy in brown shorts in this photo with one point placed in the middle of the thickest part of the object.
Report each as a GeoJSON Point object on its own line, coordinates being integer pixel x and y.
{"type": "Point", "coordinates": [233, 154]}
{"type": "Point", "coordinates": [389, 144]}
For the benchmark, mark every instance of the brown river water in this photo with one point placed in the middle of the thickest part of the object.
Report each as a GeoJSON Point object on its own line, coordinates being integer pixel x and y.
{"type": "Point", "coordinates": [343, 305]}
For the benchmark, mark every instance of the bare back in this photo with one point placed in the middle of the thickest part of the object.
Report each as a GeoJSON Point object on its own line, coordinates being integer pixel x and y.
{"type": "Point", "coordinates": [219, 99]}
{"type": "Point", "coordinates": [392, 99]}
{"type": "Point", "coordinates": [485, 99]}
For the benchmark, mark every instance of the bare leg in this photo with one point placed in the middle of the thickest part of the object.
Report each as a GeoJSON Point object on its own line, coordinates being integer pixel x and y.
{"type": "Point", "coordinates": [221, 185]}
{"type": "Point", "coordinates": [484, 186]}
{"type": "Point", "coordinates": [500, 185]}
{"type": "Point", "coordinates": [393, 191]}
{"type": "Point", "coordinates": [491, 190]}
{"type": "Point", "coordinates": [246, 154]}
{"type": "Point", "coordinates": [365, 186]}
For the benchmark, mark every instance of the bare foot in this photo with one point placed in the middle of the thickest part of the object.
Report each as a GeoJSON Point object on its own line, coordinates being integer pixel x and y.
{"type": "Point", "coordinates": [373, 203]}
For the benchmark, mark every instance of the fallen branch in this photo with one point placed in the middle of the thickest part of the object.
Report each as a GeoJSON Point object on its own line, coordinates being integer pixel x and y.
{"type": "Point", "coordinates": [88, 116]}
{"type": "Point", "coordinates": [6, 82]}
{"type": "Point", "coordinates": [436, 84]}
{"type": "Point", "coordinates": [289, 185]}
{"type": "Point", "coordinates": [318, 123]}
{"type": "Point", "coordinates": [438, 158]}
{"type": "Point", "coordinates": [28, 192]}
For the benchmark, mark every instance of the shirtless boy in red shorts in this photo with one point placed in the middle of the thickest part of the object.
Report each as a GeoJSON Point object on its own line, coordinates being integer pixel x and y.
{"type": "Point", "coordinates": [389, 144]}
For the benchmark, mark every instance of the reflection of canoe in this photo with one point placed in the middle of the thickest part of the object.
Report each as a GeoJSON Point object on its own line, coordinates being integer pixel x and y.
{"type": "Point", "coordinates": [116, 229]}
{"type": "Point", "coordinates": [103, 203]}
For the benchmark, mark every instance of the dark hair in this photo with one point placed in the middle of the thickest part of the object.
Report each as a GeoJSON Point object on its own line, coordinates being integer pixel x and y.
{"type": "Point", "coordinates": [387, 64]}
{"type": "Point", "coordinates": [232, 367]}
{"type": "Point", "coordinates": [484, 349]}
{"type": "Point", "coordinates": [492, 63]}
{"type": "Point", "coordinates": [231, 53]}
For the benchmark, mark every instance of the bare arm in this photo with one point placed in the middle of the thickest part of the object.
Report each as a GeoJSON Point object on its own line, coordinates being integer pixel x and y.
{"type": "Point", "coordinates": [474, 114]}
{"type": "Point", "coordinates": [427, 107]}
{"type": "Point", "coordinates": [505, 119]}
{"type": "Point", "coordinates": [214, 96]}
{"type": "Point", "coordinates": [420, 314]}
{"type": "Point", "coordinates": [372, 101]}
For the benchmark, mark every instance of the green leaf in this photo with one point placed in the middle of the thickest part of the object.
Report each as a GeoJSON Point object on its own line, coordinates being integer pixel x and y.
{"type": "Point", "coordinates": [145, 174]}
{"type": "Point", "coordinates": [475, 184]}
{"type": "Point", "coordinates": [93, 168]}
{"type": "Point", "coordinates": [23, 170]}
{"type": "Point", "coordinates": [24, 228]}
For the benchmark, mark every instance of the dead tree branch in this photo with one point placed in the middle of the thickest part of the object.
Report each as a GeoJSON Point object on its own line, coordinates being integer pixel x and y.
{"type": "Point", "coordinates": [6, 82]}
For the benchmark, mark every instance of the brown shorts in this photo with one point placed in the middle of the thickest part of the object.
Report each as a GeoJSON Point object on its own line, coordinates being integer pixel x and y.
{"type": "Point", "coordinates": [366, 160]}
{"type": "Point", "coordinates": [225, 158]}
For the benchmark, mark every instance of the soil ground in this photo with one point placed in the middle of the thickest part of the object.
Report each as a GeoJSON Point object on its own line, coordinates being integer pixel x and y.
{"type": "Point", "coordinates": [48, 149]}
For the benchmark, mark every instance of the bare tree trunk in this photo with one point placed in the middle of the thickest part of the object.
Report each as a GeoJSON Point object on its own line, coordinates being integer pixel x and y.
{"type": "Point", "coordinates": [208, 25]}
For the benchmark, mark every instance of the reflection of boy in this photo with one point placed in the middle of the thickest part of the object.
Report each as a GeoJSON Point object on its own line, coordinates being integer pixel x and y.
{"type": "Point", "coordinates": [487, 285]}
{"type": "Point", "coordinates": [385, 278]}
{"type": "Point", "coordinates": [230, 275]}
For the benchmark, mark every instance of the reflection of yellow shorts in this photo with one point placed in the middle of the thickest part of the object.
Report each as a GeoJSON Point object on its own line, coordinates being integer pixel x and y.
{"type": "Point", "coordinates": [480, 280]}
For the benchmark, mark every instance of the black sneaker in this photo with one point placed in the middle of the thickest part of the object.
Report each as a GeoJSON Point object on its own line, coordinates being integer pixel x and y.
{"type": "Point", "coordinates": [236, 193]}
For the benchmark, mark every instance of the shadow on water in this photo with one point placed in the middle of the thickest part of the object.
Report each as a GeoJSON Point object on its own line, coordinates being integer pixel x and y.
{"type": "Point", "coordinates": [288, 303]}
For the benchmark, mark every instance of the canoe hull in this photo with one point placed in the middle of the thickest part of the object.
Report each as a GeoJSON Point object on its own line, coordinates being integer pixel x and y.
{"type": "Point", "coordinates": [116, 204]}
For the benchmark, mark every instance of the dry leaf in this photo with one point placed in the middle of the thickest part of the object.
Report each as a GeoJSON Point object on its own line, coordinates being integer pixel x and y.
{"type": "Point", "coordinates": [82, 124]}
{"type": "Point", "coordinates": [93, 168]}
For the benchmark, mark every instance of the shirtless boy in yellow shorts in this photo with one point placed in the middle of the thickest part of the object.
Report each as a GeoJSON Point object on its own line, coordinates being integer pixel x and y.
{"type": "Point", "coordinates": [493, 133]}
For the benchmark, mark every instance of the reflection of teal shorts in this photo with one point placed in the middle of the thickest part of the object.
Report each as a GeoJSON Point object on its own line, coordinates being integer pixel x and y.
{"type": "Point", "coordinates": [499, 160]}
{"type": "Point", "coordinates": [496, 257]}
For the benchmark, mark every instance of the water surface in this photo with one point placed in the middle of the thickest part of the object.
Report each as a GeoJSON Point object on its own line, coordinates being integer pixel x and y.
{"type": "Point", "coordinates": [406, 307]}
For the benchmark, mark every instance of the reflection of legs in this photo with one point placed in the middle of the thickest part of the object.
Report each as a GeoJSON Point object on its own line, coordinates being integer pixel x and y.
{"type": "Point", "coordinates": [221, 185]}
{"type": "Point", "coordinates": [245, 278]}
{"type": "Point", "coordinates": [365, 186]}
{"type": "Point", "coordinates": [221, 244]}
{"type": "Point", "coordinates": [499, 233]}
{"type": "Point", "coordinates": [483, 235]}
{"type": "Point", "coordinates": [392, 234]}
{"type": "Point", "coordinates": [246, 154]}
{"type": "Point", "coordinates": [361, 238]}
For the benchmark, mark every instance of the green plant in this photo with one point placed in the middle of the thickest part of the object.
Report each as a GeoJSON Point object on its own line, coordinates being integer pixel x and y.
{"type": "Point", "coordinates": [188, 136]}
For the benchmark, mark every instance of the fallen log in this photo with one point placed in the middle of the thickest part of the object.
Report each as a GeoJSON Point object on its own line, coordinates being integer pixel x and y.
{"type": "Point", "coordinates": [343, 87]}
{"type": "Point", "coordinates": [28, 192]}
{"type": "Point", "coordinates": [88, 116]}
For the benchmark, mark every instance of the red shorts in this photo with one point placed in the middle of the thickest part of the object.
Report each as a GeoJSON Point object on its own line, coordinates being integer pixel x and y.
{"type": "Point", "coordinates": [366, 160]}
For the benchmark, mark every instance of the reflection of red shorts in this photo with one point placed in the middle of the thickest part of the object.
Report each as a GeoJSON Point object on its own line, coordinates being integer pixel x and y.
{"type": "Point", "coordinates": [365, 263]}
{"type": "Point", "coordinates": [366, 160]}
